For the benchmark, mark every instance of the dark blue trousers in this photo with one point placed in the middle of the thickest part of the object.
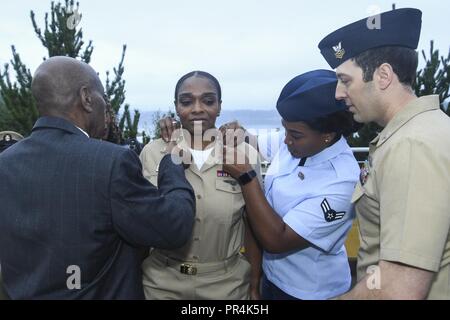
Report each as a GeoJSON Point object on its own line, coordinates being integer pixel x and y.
{"type": "Point", "coordinates": [269, 291]}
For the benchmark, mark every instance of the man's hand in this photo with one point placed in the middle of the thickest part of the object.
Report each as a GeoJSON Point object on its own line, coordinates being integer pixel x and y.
{"type": "Point", "coordinates": [167, 126]}
{"type": "Point", "coordinates": [179, 156]}
{"type": "Point", "coordinates": [396, 282]}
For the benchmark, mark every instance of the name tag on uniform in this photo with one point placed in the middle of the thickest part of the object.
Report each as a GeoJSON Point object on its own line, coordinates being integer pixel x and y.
{"type": "Point", "coordinates": [221, 173]}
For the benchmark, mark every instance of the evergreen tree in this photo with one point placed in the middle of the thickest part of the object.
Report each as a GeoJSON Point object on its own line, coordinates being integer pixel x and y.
{"type": "Point", "coordinates": [435, 77]}
{"type": "Point", "coordinates": [61, 36]}
{"type": "Point", "coordinates": [19, 110]}
{"type": "Point", "coordinates": [5, 117]}
{"type": "Point", "coordinates": [128, 126]}
{"type": "Point", "coordinates": [115, 90]}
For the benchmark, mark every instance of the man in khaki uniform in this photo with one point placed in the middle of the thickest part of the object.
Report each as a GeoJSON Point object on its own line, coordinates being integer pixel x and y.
{"type": "Point", "coordinates": [210, 265]}
{"type": "Point", "coordinates": [402, 200]}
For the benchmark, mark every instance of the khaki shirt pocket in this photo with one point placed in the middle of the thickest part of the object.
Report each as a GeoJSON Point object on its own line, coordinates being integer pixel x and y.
{"type": "Point", "coordinates": [228, 185]}
{"type": "Point", "coordinates": [232, 200]}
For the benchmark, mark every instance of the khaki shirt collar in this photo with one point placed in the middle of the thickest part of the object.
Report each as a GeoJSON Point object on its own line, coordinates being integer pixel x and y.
{"type": "Point", "coordinates": [213, 159]}
{"type": "Point", "coordinates": [412, 109]}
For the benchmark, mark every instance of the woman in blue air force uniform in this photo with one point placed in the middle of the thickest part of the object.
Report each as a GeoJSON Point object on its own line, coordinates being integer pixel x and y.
{"type": "Point", "coordinates": [302, 218]}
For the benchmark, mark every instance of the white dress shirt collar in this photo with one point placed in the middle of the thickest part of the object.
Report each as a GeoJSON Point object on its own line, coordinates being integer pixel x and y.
{"type": "Point", "coordinates": [83, 131]}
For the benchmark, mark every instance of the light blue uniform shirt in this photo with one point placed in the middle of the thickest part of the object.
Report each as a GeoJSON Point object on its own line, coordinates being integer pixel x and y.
{"type": "Point", "coordinates": [317, 208]}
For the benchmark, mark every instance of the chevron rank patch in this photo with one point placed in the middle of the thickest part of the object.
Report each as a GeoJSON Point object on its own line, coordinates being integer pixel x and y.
{"type": "Point", "coordinates": [330, 214]}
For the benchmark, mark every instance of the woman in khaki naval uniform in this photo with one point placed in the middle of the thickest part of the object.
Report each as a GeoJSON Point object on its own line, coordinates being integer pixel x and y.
{"type": "Point", "coordinates": [211, 265]}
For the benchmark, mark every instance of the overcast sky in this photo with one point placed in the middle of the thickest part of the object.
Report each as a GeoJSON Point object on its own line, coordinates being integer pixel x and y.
{"type": "Point", "coordinates": [253, 47]}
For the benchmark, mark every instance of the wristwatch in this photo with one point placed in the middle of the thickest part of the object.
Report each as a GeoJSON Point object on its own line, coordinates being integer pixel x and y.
{"type": "Point", "coordinates": [246, 177]}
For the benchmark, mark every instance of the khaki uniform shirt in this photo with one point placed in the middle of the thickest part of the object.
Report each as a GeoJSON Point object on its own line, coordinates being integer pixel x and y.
{"type": "Point", "coordinates": [404, 205]}
{"type": "Point", "coordinates": [217, 237]}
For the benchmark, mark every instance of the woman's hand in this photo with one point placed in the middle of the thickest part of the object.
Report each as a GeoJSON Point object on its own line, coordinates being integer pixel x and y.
{"type": "Point", "coordinates": [233, 134]}
{"type": "Point", "coordinates": [254, 291]}
{"type": "Point", "coordinates": [235, 162]}
{"type": "Point", "coordinates": [167, 127]}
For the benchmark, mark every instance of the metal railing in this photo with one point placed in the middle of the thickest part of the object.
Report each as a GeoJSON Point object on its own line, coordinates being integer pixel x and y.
{"type": "Point", "coordinates": [358, 151]}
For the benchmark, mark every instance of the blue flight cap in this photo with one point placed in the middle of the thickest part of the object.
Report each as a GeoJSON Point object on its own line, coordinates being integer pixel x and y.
{"type": "Point", "coordinates": [400, 27]}
{"type": "Point", "coordinates": [309, 96]}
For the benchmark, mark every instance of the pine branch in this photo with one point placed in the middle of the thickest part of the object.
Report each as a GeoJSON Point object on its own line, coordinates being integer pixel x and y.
{"type": "Point", "coordinates": [60, 35]}
{"type": "Point", "coordinates": [18, 101]}
{"type": "Point", "coordinates": [435, 77]}
{"type": "Point", "coordinates": [115, 89]}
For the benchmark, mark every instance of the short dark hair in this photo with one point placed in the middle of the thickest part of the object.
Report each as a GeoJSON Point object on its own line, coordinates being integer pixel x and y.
{"type": "Point", "coordinates": [404, 62]}
{"type": "Point", "coordinates": [202, 74]}
{"type": "Point", "coordinates": [340, 122]}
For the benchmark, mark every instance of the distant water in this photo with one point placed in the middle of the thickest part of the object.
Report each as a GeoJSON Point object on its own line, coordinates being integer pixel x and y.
{"type": "Point", "coordinates": [250, 119]}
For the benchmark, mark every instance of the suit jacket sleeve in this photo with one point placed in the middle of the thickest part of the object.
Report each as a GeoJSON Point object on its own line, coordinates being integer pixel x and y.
{"type": "Point", "coordinates": [3, 295]}
{"type": "Point", "coordinates": [145, 215]}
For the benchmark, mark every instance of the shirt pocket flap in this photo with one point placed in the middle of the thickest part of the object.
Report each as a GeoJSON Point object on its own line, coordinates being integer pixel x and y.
{"type": "Point", "coordinates": [228, 185]}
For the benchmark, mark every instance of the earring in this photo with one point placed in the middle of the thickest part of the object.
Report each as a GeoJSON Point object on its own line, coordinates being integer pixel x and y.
{"type": "Point", "coordinates": [326, 140]}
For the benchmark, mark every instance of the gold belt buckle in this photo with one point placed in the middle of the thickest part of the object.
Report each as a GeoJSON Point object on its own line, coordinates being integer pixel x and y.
{"type": "Point", "coordinates": [188, 269]}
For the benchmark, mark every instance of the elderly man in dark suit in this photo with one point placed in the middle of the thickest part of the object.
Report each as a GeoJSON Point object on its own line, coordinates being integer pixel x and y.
{"type": "Point", "coordinates": [76, 212]}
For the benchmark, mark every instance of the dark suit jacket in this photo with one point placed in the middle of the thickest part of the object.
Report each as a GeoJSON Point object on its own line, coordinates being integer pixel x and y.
{"type": "Point", "coordinates": [67, 200]}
